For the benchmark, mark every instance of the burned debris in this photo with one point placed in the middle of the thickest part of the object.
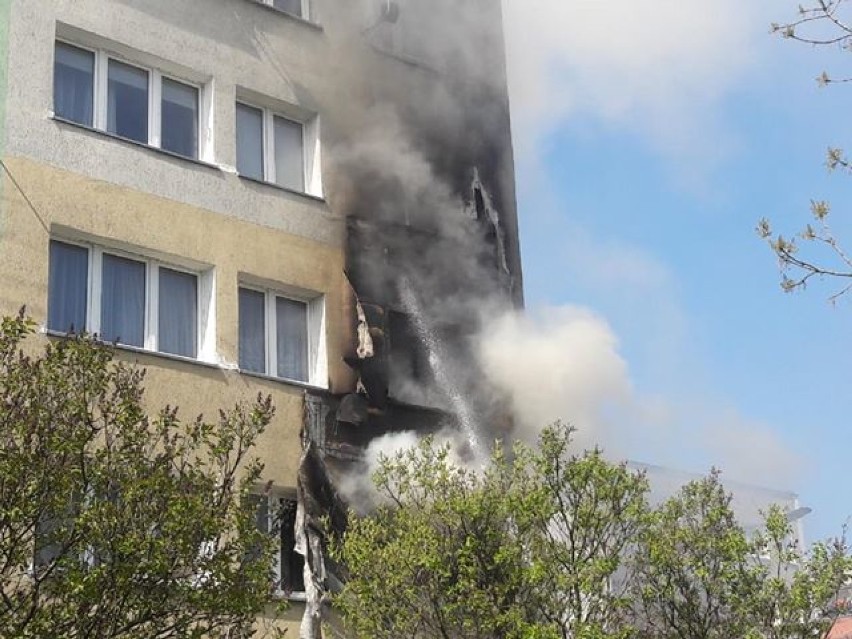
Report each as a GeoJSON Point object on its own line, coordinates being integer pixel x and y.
{"type": "Point", "coordinates": [425, 185]}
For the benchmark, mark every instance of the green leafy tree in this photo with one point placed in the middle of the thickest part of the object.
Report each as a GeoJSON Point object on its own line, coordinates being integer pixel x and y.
{"type": "Point", "coordinates": [524, 548]}
{"type": "Point", "coordinates": [699, 576]}
{"type": "Point", "coordinates": [816, 251]}
{"type": "Point", "coordinates": [114, 523]}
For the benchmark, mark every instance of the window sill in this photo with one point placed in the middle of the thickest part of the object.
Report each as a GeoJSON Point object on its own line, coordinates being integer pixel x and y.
{"type": "Point", "coordinates": [283, 380]}
{"type": "Point", "coordinates": [280, 595]}
{"type": "Point", "coordinates": [278, 187]}
{"type": "Point", "coordinates": [305, 21]}
{"type": "Point", "coordinates": [136, 143]}
{"type": "Point", "coordinates": [196, 362]}
{"type": "Point", "coordinates": [142, 351]}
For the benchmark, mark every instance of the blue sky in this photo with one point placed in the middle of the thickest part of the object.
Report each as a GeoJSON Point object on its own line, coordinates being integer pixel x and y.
{"type": "Point", "coordinates": [650, 136]}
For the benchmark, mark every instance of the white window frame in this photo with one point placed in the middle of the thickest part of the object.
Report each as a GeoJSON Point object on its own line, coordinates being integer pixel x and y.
{"type": "Point", "coordinates": [273, 498]}
{"type": "Point", "coordinates": [306, 9]}
{"type": "Point", "coordinates": [315, 330]}
{"type": "Point", "coordinates": [205, 288]}
{"type": "Point", "coordinates": [100, 103]}
{"type": "Point", "coordinates": [311, 172]}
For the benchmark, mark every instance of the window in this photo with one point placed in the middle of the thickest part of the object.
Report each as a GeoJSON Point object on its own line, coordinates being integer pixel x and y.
{"type": "Point", "coordinates": [94, 89]}
{"type": "Point", "coordinates": [128, 299]}
{"type": "Point", "coordinates": [276, 515]}
{"type": "Point", "coordinates": [271, 147]}
{"type": "Point", "coordinates": [280, 336]}
{"type": "Point", "coordinates": [297, 8]}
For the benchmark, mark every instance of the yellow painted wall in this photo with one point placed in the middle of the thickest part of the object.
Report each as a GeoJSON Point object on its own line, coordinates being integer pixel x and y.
{"type": "Point", "coordinates": [126, 218]}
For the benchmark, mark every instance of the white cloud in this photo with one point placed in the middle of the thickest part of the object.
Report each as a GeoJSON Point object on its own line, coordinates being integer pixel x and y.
{"type": "Point", "coordinates": [658, 68]}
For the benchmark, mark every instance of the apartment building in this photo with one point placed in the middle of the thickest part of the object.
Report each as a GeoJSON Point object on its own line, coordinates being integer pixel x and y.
{"type": "Point", "coordinates": [311, 199]}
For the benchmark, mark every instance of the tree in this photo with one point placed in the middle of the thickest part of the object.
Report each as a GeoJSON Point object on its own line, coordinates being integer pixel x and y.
{"type": "Point", "coordinates": [699, 576]}
{"type": "Point", "coordinates": [114, 523]}
{"type": "Point", "coordinates": [554, 544]}
{"type": "Point", "coordinates": [524, 548]}
{"type": "Point", "coordinates": [821, 23]}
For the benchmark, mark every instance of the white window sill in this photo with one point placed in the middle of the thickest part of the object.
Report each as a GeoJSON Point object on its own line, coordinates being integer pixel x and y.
{"type": "Point", "coordinates": [273, 185]}
{"type": "Point", "coordinates": [280, 595]}
{"type": "Point", "coordinates": [283, 380]}
{"type": "Point", "coordinates": [305, 21]}
{"type": "Point", "coordinates": [143, 351]}
{"type": "Point", "coordinates": [198, 362]}
{"type": "Point", "coordinates": [136, 143]}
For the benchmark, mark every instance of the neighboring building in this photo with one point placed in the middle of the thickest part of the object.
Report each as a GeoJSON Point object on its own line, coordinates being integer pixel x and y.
{"type": "Point", "coordinates": [307, 198]}
{"type": "Point", "coordinates": [749, 502]}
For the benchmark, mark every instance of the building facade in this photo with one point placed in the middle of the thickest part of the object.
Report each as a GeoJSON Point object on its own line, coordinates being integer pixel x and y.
{"type": "Point", "coordinates": [312, 199]}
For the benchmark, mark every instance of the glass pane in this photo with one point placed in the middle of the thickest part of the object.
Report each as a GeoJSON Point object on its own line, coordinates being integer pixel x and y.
{"type": "Point", "coordinates": [73, 83]}
{"type": "Point", "coordinates": [252, 331]}
{"type": "Point", "coordinates": [290, 6]}
{"type": "Point", "coordinates": [289, 156]}
{"type": "Point", "coordinates": [67, 287]}
{"type": "Point", "coordinates": [127, 101]}
{"type": "Point", "coordinates": [249, 141]}
{"type": "Point", "coordinates": [291, 319]}
{"type": "Point", "coordinates": [178, 311]}
{"type": "Point", "coordinates": [180, 118]}
{"type": "Point", "coordinates": [123, 301]}
{"type": "Point", "coordinates": [262, 512]}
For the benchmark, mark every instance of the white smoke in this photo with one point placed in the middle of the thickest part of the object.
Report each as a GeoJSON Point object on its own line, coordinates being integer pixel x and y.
{"type": "Point", "coordinates": [557, 363]}
{"type": "Point", "coordinates": [564, 363]}
{"type": "Point", "coordinates": [357, 486]}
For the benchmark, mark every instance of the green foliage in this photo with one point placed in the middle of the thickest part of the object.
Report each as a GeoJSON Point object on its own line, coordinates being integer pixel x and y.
{"type": "Point", "coordinates": [524, 548]}
{"type": "Point", "coordinates": [699, 575]}
{"type": "Point", "coordinates": [552, 544]}
{"type": "Point", "coordinates": [114, 523]}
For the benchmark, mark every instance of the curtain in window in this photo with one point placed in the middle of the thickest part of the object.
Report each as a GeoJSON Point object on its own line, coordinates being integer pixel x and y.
{"type": "Point", "coordinates": [249, 141]}
{"type": "Point", "coordinates": [73, 83]}
{"type": "Point", "coordinates": [179, 118]}
{"type": "Point", "coordinates": [290, 6]}
{"type": "Point", "coordinates": [178, 313]}
{"type": "Point", "coordinates": [127, 101]}
{"type": "Point", "coordinates": [123, 301]}
{"type": "Point", "coordinates": [67, 287]}
{"type": "Point", "coordinates": [291, 318]}
{"type": "Point", "coordinates": [289, 154]}
{"type": "Point", "coordinates": [252, 331]}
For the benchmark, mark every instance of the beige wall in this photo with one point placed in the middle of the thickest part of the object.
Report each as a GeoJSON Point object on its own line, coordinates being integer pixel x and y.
{"type": "Point", "coordinates": [120, 217]}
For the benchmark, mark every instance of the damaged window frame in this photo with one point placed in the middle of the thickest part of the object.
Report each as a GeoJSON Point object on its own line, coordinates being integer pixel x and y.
{"type": "Point", "coordinates": [270, 522]}
{"type": "Point", "coordinates": [271, 110]}
{"type": "Point", "coordinates": [316, 373]}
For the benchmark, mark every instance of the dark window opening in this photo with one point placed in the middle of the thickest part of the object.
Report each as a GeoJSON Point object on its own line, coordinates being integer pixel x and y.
{"type": "Point", "coordinates": [408, 356]}
{"type": "Point", "coordinates": [277, 516]}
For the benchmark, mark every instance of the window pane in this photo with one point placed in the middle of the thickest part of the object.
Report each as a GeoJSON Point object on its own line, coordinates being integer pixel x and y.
{"type": "Point", "coordinates": [289, 156]}
{"type": "Point", "coordinates": [249, 141]}
{"type": "Point", "coordinates": [67, 287]}
{"type": "Point", "coordinates": [290, 6]}
{"type": "Point", "coordinates": [123, 301]}
{"type": "Point", "coordinates": [127, 101]}
{"type": "Point", "coordinates": [291, 319]}
{"type": "Point", "coordinates": [73, 83]}
{"type": "Point", "coordinates": [180, 118]}
{"type": "Point", "coordinates": [178, 311]}
{"type": "Point", "coordinates": [252, 331]}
